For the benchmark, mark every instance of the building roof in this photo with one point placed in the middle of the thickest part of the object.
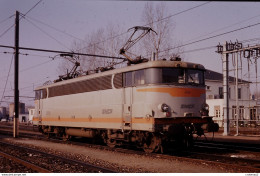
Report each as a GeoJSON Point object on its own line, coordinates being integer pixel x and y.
{"type": "Point", "coordinates": [215, 76]}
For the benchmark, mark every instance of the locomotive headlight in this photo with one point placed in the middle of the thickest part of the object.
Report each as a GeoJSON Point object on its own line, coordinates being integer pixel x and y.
{"type": "Point", "coordinates": [204, 109]}
{"type": "Point", "coordinates": [205, 106]}
{"type": "Point", "coordinates": [164, 107]}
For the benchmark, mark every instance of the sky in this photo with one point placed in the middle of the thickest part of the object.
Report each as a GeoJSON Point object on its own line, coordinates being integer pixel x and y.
{"type": "Point", "coordinates": [81, 17]}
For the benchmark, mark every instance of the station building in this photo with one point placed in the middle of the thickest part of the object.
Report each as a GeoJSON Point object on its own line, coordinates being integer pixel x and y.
{"type": "Point", "coordinates": [249, 106]}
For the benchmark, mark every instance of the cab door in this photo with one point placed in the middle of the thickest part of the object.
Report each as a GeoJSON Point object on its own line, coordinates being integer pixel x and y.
{"type": "Point", "coordinates": [39, 95]}
{"type": "Point", "coordinates": [127, 101]}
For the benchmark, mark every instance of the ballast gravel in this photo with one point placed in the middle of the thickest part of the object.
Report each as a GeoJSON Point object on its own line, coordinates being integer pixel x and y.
{"type": "Point", "coordinates": [121, 162]}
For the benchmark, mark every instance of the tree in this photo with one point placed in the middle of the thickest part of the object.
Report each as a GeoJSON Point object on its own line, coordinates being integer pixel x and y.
{"type": "Point", "coordinates": [100, 42]}
{"type": "Point", "coordinates": [155, 17]}
{"type": "Point", "coordinates": [107, 41]}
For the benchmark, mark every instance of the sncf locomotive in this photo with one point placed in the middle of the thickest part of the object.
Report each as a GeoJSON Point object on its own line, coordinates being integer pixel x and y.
{"type": "Point", "coordinates": [153, 105]}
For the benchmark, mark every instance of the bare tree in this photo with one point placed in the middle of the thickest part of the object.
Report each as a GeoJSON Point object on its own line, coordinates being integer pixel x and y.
{"type": "Point", "coordinates": [154, 16]}
{"type": "Point", "coordinates": [104, 42]}
{"type": "Point", "coordinates": [101, 42]}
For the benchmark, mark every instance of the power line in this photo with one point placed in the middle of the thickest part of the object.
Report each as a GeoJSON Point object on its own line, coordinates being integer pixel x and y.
{"type": "Point", "coordinates": [19, 19]}
{"type": "Point", "coordinates": [37, 65]}
{"type": "Point", "coordinates": [6, 19]}
{"type": "Point", "coordinates": [211, 47]}
{"type": "Point", "coordinates": [54, 28]}
{"type": "Point", "coordinates": [32, 7]}
{"type": "Point", "coordinates": [47, 34]}
{"type": "Point", "coordinates": [235, 30]}
{"type": "Point", "coordinates": [62, 52]}
{"type": "Point", "coordinates": [58, 30]}
{"type": "Point", "coordinates": [250, 40]}
{"type": "Point", "coordinates": [6, 31]}
{"type": "Point", "coordinates": [150, 23]}
{"type": "Point", "coordinates": [105, 39]}
{"type": "Point", "coordinates": [72, 36]}
{"type": "Point", "coordinates": [199, 49]}
{"type": "Point", "coordinates": [26, 54]}
{"type": "Point", "coordinates": [226, 27]}
{"type": "Point", "coordinates": [77, 37]}
{"type": "Point", "coordinates": [178, 13]}
{"type": "Point", "coordinates": [7, 79]}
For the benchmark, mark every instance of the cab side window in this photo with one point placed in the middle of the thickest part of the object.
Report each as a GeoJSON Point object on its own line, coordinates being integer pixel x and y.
{"type": "Point", "coordinates": [139, 77]}
{"type": "Point", "coordinates": [40, 94]}
{"type": "Point", "coordinates": [37, 94]}
{"type": "Point", "coordinates": [128, 79]}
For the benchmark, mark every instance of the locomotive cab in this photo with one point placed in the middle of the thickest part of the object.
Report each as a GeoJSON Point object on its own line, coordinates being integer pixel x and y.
{"type": "Point", "coordinates": [168, 97]}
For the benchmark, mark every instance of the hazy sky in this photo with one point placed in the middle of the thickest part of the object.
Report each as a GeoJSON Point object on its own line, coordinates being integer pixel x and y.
{"type": "Point", "coordinates": [81, 17]}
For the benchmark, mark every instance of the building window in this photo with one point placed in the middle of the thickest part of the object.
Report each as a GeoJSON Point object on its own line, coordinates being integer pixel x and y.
{"type": "Point", "coordinates": [241, 112]}
{"type": "Point", "coordinates": [252, 114]}
{"type": "Point", "coordinates": [217, 111]}
{"type": "Point", "coordinates": [239, 93]}
{"type": "Point", "coordinates": [234, 111]}
{"type": "Point", "coordinates": [220, 92]}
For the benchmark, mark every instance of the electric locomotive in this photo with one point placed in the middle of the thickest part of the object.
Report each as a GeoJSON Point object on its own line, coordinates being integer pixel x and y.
{"type": "Point", "coordinates": [153, 105]}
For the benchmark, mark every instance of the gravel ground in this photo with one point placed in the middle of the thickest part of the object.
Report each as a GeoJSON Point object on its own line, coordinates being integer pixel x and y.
{"type": "Point", "coordinates": [122, 162]}
{"type": "Point", "coordinates": [8, 166]}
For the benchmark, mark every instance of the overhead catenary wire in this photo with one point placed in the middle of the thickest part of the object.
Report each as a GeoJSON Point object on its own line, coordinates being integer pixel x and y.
{"type": "Point", "coordinates": [47, 33]}
{"type": "Point", "coordinates": [34, 66]}
{"type": "Point", "coordinates": [207, 38]}
{"type": "Point", "coordinates": [19, 19]}
{"type": "Point", "coordinates": [178, 13]}
{"type": "Point", "coordinates": [61, 52]}
{"type": "Point", "coordinates": [212, 47]}
{"type": "Point", "coordinates": [27, 54]}
{"type": "Point", "coordinates": [7, 78]}
{"type": "Point", "coordinates": [54, 28]}
{"type": "Point", "coordinates": [32, 7]}
{"type": "Point", "coordinates": [4, 20]}
{"type": "Point", "coordinates": [51, 51]}
{"type": "Point", "coordinates": [58, 30]}
{"type": "Point", "coordinates": [220, 29]}
{"type": "Point", "coordinates": [6, 31]}
{"type": "Point", "coordinates": [186, 10]}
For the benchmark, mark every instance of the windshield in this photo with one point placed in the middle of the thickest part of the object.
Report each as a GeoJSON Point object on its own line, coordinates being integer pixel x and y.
{"type": "Point", "coordinates": [164, 76]}
{"type": "Point", "coordinates": [195, 76]}
{"type": "Point", "coordinates": [174, 75]}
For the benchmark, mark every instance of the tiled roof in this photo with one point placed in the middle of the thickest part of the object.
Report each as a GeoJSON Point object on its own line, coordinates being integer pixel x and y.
{"type": "Point", "coordinates": [215, 76]}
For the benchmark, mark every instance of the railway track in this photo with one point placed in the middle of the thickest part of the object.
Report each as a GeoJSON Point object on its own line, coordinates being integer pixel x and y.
{"type": "Point", "coordinates": [212, 153]}
{"type": "Point", "coordinates": [238, 155]}
{"type": "Point", "coordinates": [27, 164]}
{"type": "Point", "coordinates": [250, 165]}
{"type": "Point", "coordinates": [45, 162]}
{"type": "Point", "coordinates": [228, 146]}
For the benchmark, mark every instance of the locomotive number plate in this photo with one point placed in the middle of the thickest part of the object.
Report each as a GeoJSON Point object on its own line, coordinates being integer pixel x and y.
{"type": "Point", "coordinates": [107, 111]}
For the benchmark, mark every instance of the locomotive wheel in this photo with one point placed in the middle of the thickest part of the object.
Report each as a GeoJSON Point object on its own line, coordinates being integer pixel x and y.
{"type": "Point", "coordinates": [47, 135]}
{"type": "Point", "coordinates": [152, 144]}
{"type": "Point", "coordinates": [109, 140]}
{"type": "Point", "coordinates": [187, 143]}
{"type": "Point", "coordinates": [111, 143]}
{"type": "Point", "coordinates": [188, 138]}
{"type": "Point", "coordinates": [66, 137]}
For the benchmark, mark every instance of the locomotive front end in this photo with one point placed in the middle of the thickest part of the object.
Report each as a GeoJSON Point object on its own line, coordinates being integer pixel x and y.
{"type": "Point", "coordinates": [175, 97]}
